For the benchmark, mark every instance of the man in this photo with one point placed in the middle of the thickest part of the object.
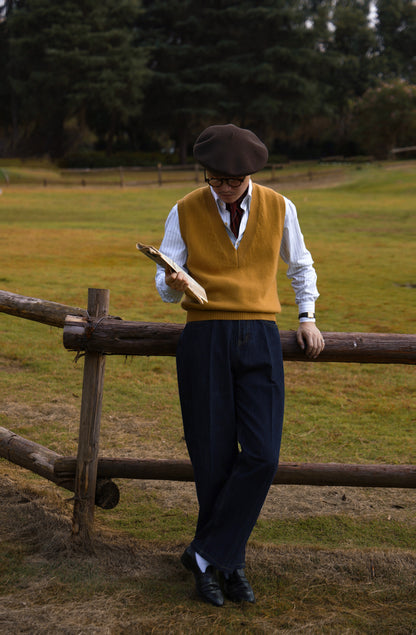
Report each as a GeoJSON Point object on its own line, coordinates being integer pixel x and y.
{"type": "Point", "coordinates": [229, 235]}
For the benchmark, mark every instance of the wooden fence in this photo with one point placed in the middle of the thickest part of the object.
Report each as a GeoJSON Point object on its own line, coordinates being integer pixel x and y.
{"type": "Point", "coordinates": [125, 176]}
{"type": "Point", "coordinates": [168, 175]}
{"type": "Point", "coordinates": [96, 334]}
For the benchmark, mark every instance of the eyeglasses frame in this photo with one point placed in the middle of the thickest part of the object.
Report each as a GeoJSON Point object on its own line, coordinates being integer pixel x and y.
{"type": "Point", "coordinates": [224, 180]}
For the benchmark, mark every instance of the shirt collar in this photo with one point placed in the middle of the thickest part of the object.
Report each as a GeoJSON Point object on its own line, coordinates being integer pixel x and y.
{"type": "Point", "coordinates": [245, 202]}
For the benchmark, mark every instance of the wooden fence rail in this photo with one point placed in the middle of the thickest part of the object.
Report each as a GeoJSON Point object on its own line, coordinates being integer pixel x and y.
{"type": "Point", "coordinates": [97, 334]}
{"type": "Point", "coordinates": [115, 336]}
{"type": "Point", "coordinates": [61, 470]}
{"type": "Point", "coordinates": [43, 461]}
{"type": "Point", "coordinates": [346, 475]}
{"type": "Point", "coordinates": [118, 337]}
{"type": "Point", "coordinates": [36, 309]}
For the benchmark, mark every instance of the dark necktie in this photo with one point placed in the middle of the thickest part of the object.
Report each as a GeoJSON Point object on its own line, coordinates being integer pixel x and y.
{"type": "Point", "coordinates": [235, 217]}
{"type": "Point", "coordinates": [235, 214]}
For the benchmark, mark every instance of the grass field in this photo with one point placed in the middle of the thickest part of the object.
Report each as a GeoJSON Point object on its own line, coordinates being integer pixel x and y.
{"type": "Point", "coordinates": [322, 560]}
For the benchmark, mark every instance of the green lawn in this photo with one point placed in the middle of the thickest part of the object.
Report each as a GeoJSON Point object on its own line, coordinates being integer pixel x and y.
{"type": "Point", "coordinates": [57, 242]}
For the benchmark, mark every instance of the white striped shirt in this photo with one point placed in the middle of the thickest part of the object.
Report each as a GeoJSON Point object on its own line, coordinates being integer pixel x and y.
{"type": "Point", "coordinates": [292, 251]}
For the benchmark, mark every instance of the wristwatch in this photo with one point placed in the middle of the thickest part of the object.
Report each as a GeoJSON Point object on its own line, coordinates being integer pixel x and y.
{"type": "Point", "coordinates": [308, 314]}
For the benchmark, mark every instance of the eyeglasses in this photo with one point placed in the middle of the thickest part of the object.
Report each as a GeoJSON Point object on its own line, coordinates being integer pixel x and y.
{"type": "Point", "coordinates": [214, 181]}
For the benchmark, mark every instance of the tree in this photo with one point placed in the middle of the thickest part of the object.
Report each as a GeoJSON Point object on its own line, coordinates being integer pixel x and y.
{"type": "Point", "coordinates": [4, 80]}
{"type": "Point", "coordinates": [72, 60]}
{"type": "Point", "coordinates": [350, 52]}
{"type": "Point", "coordinates": [396, 30]}
{"type": "Point", "coordinates": [226, 61]}
{"type": "Point", "coordinates": [265, 61]}
{"type": "Point", "coordinates": [386, 117]}
{"type": "Point", "coordinates": [344, 69]}
{"type": "Point", "coordinates": [183, 89]}
{"type": "Point", "coordinates": [145, 73]}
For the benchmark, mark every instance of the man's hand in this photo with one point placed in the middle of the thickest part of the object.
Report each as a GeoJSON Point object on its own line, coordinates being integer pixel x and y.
{"type": "Point", "coordinates": [310, 339]}
{"type": "Point", "coordinates": [175, 280]}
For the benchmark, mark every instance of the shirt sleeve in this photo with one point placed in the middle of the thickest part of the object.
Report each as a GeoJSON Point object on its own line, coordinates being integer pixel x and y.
{"type": "Point", "coordinates": [294, 253]}
{"type": "Point", "coordinates": [173, 246]}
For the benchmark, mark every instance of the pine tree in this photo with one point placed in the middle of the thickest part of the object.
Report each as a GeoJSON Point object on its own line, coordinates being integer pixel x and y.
{"type": "Point", "coordinates": [225, 61]}
{"type": "Point", "coordinates": [396, 30]}
{"type": "Point", "coordinates": [72, 60]}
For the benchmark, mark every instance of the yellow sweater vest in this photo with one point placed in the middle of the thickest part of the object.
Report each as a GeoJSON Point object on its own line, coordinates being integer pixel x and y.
{"type": "Point", "coordinates": [240, 283]}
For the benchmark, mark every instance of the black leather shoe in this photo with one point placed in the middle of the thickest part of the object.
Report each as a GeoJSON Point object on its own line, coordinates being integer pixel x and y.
{"type": "Point", "coordinates": [237, 588]}
{"type": "Point", "coordinates": [206, 583]}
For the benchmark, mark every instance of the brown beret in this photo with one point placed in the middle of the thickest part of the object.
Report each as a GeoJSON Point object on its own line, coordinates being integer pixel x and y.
{"type": "Point", "coordinates": [230, 150]}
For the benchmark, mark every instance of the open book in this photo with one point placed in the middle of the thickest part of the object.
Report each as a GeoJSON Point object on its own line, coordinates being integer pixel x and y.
{"type": "Point", "coordinates": [194, 290]}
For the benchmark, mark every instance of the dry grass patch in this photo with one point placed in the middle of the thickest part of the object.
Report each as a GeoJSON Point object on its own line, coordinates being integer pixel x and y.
{"type": "Point", "coordinates": [132, 586]}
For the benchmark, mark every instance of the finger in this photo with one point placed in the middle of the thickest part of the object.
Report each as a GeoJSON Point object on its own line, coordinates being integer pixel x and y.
{"type": "Point", "coordinates": [317, 345]}
{"type": "Point", "coordinates": [310, 351]}
{"type": "Point", "coordinates": [312, 348]}
{"type": "Point", "coordinates": [172, 281]}
{"type": "Point", "coordinates": [300, 340]}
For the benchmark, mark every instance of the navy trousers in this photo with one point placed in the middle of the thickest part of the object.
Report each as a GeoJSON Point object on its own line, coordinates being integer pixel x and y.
{"type": "Point", "coordinates": [231, 388]}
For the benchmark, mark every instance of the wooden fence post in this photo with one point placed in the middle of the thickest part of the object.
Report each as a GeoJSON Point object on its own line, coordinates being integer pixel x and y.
{"type": "Point", "coordinates": [89, 430]}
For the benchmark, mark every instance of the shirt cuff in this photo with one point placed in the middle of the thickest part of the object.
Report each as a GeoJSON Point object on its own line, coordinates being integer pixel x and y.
{"type": "Point", "coordinates": [166, 293]}
{"type": "Point", "coordinates": [306, 307]}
